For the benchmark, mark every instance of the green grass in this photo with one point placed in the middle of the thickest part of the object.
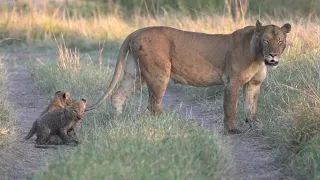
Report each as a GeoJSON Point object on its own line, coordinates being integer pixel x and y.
{"type": "Point", "coordinates": [130, 146]}
{"type": "Point", "coordinates": [7, 113]}
{"type": "Point", "coordinates": [289, 99]}
{"type": "Point", "coordinates": [289, 111]}
{"type": "Point", "coordinates": [165, 147]}
{"type": "Point", "coordinates": [290, 106]}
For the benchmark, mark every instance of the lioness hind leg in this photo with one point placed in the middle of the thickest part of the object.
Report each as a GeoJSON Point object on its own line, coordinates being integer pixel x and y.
{"type": "Point", "coordinates": [157, 88]}
{"type": "Point", "coordinates": [127, 88]}
{"type": "Point", "coordinates": [131, 83]}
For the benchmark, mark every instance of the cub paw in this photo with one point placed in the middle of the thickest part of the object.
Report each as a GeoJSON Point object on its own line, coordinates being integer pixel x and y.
{"type": "Point", "coordinates": [234, 131]}
{"type": "Point", "coordinates": [73, 143]}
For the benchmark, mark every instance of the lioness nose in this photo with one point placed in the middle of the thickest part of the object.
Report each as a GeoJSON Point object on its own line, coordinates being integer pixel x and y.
{"type": "Point", "coordinates": [273, 54]}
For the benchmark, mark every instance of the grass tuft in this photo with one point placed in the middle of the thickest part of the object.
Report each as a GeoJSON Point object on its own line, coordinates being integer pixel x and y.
{"type": "Point", "coordinates": [68, 59]}
{"type": "Point", "coordinates": [7, 114]}
{"type": "Point", "coordinates": [133, 145]}
{"type": "Point", "coordinates": [144, 147]}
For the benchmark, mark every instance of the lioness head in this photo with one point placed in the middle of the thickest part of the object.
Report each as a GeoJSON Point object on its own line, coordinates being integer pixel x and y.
{"type": "Point", "coordinates": [271, 42]}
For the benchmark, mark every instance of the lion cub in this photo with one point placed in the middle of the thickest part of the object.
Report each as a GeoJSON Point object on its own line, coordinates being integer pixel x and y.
{"type": "Point", "coordinates": [60, 100]}
{"type": "Point", "coordinates": [58, 122]}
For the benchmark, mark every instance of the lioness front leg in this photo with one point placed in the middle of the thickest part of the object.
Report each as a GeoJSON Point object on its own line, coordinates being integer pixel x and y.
{"type": "Point", "coordinates": [230, 104]}
{"type": "Point", "coordinates": [251, 92]}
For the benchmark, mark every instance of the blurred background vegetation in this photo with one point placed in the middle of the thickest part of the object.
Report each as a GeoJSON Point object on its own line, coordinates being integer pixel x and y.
{"type": "Point", "coordinates": [194, 7]}
{"type": "Point", "coordinates": [285, 8]}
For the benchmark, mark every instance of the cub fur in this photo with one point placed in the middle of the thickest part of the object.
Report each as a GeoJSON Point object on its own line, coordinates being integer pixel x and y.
{"type": "Point", "coordinates": [157, 54]}
{"type": "Point", "coordinates": [59, 122]}
{"type": "Point", "coordinates": [60, 100]}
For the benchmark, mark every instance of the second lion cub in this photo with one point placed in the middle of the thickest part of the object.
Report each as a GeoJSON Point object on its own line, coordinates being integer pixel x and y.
{"type": "Point", "coordinates": [60, 100]}
{"type": "Point", "coordinates": [59, 122]}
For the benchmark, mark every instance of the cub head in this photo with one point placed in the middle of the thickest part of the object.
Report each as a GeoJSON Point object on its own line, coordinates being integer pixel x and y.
{"type": "Point", "coordinates": [271, 42]}
{"type": "Point", "coordinates": [78, 108]}
{"type": "Point", "coordinates": [62, 98]}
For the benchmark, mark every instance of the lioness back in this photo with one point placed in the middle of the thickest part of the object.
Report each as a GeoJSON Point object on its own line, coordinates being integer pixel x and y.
{"type": "Point", "coordinates": [195, 58]}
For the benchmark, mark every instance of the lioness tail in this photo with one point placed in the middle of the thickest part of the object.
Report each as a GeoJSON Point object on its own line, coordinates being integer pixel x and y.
{"type": "Point", "coordinates": [125, 47]}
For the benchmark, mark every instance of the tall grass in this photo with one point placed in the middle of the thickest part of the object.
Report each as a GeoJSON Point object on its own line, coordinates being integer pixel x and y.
{"type": "Point", "coordinates": [288, 105]}
{"type": "Point", "coordinates": [7, 114]}
{"type": "Point", "coordinates": [133, 145]}
{"type": "Point", "coordinates": [42, 25]}
{"type": "Point", "coordinates": [193, 8]}
{"type": "Point", "coordinates": [290, 112]}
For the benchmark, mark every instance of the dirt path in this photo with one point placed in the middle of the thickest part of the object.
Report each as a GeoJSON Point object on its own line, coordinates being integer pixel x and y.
{"type": "Point", "coordinates": [252, 157]}
{"type": "Point", "coordinates": [22, 160]}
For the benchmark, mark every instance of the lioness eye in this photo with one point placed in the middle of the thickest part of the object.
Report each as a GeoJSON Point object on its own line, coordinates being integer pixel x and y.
{"type": "Point", "coordinates": [265, 41]}
{"type": "Point", "coordinates": [280, 42]}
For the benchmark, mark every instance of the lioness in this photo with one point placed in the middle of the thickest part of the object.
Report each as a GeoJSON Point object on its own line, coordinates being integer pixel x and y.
{"type": "Point", "coordinates": [58, 122]}
{"type": "Point", "coordinates": [239, 59]}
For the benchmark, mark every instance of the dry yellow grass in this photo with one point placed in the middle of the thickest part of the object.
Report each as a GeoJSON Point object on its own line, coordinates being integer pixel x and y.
{"type": "Point", "coordinates": [68, 59]}
{"type": "Point", "coordinates": [44, 23]}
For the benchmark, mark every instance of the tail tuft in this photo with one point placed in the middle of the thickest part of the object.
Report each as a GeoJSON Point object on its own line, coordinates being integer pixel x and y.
{"type": "Point", "coordinates": [125, 48]}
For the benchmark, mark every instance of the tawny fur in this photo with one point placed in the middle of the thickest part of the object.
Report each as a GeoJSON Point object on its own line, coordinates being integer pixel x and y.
{"type": "Point", "coordinates": [60, 100]}
{"type": "Point", "coordinates": [156, 54]}
{"type": "Point", "coordinates": [59, 122]}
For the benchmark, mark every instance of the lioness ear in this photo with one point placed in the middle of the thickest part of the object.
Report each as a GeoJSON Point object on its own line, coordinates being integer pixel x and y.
{"type": "Point", "coordinates": [84, 101]}
{"type": "Point", "coordinates": [286, 28]}
{"type": "Point", "coordinates": [258, 26]}
{"type": "Point", "coordinates": [66, 95]}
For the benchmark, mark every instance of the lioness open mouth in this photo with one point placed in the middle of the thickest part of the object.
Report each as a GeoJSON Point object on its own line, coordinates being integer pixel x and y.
{"type": "Point", "coordinates": [275, 63]}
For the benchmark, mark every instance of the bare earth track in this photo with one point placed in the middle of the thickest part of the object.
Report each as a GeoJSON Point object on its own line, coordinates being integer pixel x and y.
{"type": "Point", "coordinates": [252, 158]}
{"type": "Point", "coordinates": [21, 160]}
{"type": "Point", "coordinates": [251, 155]}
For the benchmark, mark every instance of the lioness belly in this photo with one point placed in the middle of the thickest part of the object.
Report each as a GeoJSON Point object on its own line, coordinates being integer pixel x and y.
{"type": "Point", "coordinates": [196, 76]}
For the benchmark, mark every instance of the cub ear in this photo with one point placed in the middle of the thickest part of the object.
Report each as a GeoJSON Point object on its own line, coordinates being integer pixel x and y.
{"type": "Point", "coordinates": [58, 92]}
{"type": "Point", "coordinates": [286, 28]}
{"type": "Point", "coordinates": [84, 101]}
{"type": "Point", "coordinates": [259, 26]}
{"type": "Point", "coordinates": [66, 95]}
